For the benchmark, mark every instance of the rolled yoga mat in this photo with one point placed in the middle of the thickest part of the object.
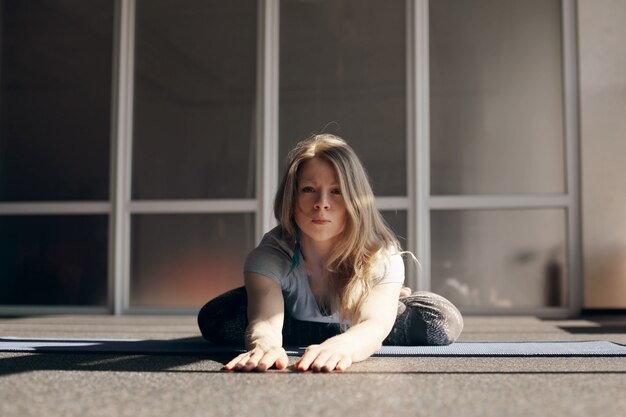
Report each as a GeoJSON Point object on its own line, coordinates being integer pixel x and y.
{"type": "Point", "coordinates": [197, 346]}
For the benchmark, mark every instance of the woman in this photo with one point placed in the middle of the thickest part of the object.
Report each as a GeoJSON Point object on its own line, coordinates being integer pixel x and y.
{"type": "Point", "coordinates": [329, 276]}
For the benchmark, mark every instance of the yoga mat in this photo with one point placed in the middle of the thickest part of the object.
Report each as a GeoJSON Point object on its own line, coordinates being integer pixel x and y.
{"type": "Point", "coordinates": [197, 346]}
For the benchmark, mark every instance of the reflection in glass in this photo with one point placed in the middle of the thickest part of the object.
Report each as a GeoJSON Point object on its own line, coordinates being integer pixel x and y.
{"type": "Point", "coordinates": [496, 103]}
{"type": "Point", "coordinates": [55, 99]}
{"type": "Point", "coordinates": [184, 260]}
{"type": "Point", "coordinates": [500, 258]}
{"type": "Point", "coordinates": [343, 71]}
{"type": "Point", "coordinates": [53, 260]}
{"type": "Point", "coordinates": [195, 89]}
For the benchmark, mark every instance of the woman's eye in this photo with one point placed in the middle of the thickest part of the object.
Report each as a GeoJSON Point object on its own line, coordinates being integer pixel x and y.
{"type": "Point", "coordinates": [336, 191]}
{"type": "Point", "coordinates": [307, 189]}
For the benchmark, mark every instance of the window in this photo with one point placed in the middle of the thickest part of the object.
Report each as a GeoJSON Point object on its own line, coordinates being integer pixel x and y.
{"type": "Point", "coordinates": [55, 100]}
{"type": "Point", "coordinates": [193, 151]}
{"type": "Point", "coordinates": [55, 118]}
{"type": "Point", "coordinates": [53, 260]}
{"type": "Point", "coordinates": [140, 145]}
{"type": "Point", "coordinates": [502, 206]}
{"type": "Point", "coordinates": [343, 77]}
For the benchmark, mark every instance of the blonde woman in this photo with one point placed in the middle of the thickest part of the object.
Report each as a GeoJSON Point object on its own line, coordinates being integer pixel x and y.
{"type": "Point", "coordinates": [328, 277]}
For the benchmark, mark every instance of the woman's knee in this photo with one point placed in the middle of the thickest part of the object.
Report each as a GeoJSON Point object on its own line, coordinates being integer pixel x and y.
{"type": "Point", "coordinates": [443, 321]}
{"type": "Point", "coordinates": [224, 318]}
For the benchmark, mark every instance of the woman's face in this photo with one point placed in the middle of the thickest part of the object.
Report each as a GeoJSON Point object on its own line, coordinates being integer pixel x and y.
{"type": "Point", "coordinates": [320, 210]}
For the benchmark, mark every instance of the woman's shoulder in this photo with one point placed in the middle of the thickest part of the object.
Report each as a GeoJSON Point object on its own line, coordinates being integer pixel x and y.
{"type": "Point", "coordinates": [277, 239]}
{"type": "Point", "coordinates": [272, 257]}
{"type": "Point", "coordinates": [389, 265]}
{"type": "Point", "coordinates": [388, 252]}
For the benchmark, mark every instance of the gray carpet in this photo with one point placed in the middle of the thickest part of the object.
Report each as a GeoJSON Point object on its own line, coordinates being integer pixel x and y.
{"type": "Point", "coordinates": [197, 346]}
{"type": "Point", "coordinates": [34, 384]}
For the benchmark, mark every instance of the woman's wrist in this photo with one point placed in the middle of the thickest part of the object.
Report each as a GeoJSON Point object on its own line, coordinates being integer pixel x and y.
{"type": "Point", "coordinates": [360, 341]}
{"type": "Point", "coordinates": [263, 344]}
{"type": "Point", "coordinates": [263, 336]}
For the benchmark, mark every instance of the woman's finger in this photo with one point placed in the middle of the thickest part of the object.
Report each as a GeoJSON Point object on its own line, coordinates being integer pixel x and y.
{"type": "Point", "coordinates": [242, 362]}
{"type": "Point", "coordinates": [310, 354]}
{"type": "Point", "coordinates": [320, 360]}
{"type": "Point", "coordinates": [270, 358]}
{"type": "Point", "coordinates": [231, 365]}
{"type": "Point", "coordinates": [343, 364]}
{"type": "Point", "coordinates": [283, 360]}
{"type": "Point", "coordinates": [253, 361]}
{"type": "Point", "coordinates": [266, 361]}
{"type": "Point", "coordinates": [331, 363]}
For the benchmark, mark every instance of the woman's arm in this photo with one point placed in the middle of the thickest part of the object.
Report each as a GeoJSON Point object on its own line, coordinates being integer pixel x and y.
{"type": "Point", "coordinates": [264, 337]}
{"type": "Point", "coordinates": [372, 325]}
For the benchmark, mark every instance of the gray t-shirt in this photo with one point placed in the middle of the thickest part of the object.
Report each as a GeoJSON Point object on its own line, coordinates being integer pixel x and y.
{"type": "Point", "coordinates": [273, 258]}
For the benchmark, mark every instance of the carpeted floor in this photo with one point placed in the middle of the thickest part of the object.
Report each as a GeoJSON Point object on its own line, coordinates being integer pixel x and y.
{"type": "Point", "coordinates": [136, 385]}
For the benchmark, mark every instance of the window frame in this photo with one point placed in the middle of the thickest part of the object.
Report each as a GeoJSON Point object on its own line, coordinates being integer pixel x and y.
{"type": "Point", "coordinates": [418, 203]}
{"type": "Point", "coordinates": [568, 201]}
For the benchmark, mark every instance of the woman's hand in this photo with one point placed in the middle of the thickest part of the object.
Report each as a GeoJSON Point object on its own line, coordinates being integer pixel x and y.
{"type": "Point", "coordinates": [259, 359]}
{"type": "Point", "coordinates": [370, 327]}
{"type": "Point", "coordinates": [332, 355]}
{"type": "Point", "coordinates": [264, 332]}
{"type": "Point", "coordinates": [405, 292]}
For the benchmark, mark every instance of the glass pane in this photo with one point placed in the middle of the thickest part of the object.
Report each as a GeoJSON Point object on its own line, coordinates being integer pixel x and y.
{"type": "Point", "coordinates": [396, 219]}
{"type": "Point", "coordinates": [53, 260]}
{"type": "Point", "coordinates": [496, 101]}
{"type": "Point", "coordinates": [55, 99]}
{"type": "Point", "coordinates": [500, 258]}
{"type": "Point", "coordinates": [346, 74]}
{"type": "Point", "coordinates": [184, 260]}
{"type": "Point", "coordinates": [195, 91]}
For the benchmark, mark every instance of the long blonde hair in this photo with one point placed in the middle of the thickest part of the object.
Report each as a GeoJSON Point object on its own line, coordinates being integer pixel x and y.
{"type": "Point", "coordinates": [365, 242]}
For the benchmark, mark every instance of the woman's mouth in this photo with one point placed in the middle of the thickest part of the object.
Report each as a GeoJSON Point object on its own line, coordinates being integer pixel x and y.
{"type": "Point", "coordinates": [321, 221]}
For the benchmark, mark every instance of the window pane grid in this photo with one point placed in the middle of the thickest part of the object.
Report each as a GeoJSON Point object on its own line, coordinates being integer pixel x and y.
{"type": "Point", "coordinates": [554, 189]}
{"type": "Point", "coordinates": [125, 208]}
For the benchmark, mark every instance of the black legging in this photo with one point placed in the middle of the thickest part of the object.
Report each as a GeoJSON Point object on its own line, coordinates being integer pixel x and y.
{"type": "Point", "coordinates": [424, 318]}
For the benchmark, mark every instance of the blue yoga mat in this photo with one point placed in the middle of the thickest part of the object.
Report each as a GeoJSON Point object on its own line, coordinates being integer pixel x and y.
{"type": "Point", "coordinates": [197, 346]}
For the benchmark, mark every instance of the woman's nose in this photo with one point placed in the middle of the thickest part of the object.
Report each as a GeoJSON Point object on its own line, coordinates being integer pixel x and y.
{"type": "Point", "coordinates": [322, 203]}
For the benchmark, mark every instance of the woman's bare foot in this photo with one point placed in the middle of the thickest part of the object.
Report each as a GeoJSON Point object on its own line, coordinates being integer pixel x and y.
{"type": "Point", "coordinates": [405, 292]}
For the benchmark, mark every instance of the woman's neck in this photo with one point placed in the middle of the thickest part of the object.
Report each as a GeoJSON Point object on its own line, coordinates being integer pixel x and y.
{"type": "Point", "coordinates": [316, 253]}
